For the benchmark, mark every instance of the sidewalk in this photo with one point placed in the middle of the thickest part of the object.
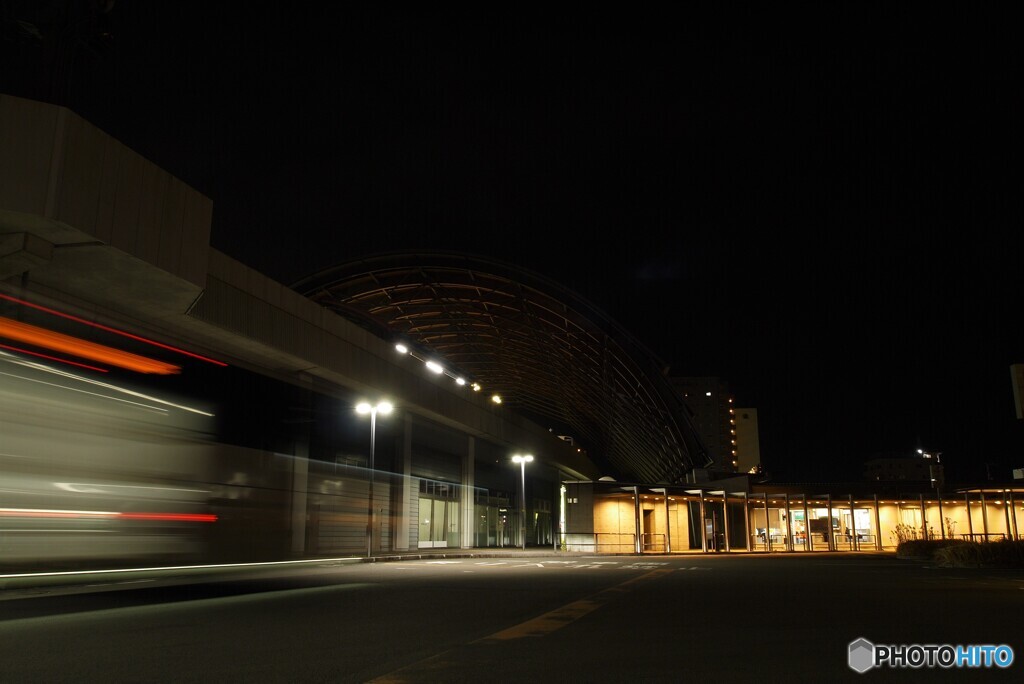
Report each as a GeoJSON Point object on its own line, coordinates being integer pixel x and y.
{"type": "Point", "coordinates": [26, 582]}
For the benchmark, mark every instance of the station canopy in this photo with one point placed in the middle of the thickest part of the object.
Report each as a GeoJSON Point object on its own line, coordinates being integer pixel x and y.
{"type": "Point", "coordinates": [551, 356]}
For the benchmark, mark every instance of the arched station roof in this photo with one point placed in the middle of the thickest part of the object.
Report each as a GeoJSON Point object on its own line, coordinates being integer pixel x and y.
{"type": "Point", "coordinates": [550, 355]}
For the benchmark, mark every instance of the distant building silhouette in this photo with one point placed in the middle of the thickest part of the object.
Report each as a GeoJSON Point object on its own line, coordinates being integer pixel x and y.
{"type": "Point", "coordinates": [748, 445]}
{"type": "Point", "coordinates": [732, 444]}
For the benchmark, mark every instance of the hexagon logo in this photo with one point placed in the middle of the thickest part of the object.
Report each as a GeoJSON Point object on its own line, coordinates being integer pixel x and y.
{"type": "Point", "coordinates": [862, 655]}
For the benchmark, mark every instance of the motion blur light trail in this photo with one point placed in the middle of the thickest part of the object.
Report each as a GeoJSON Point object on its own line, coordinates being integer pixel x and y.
{"type": "Point", "coordinates": [38, 366]}
{"type": "Point", "coordinates": [209, 566]}
{"type": "Point", "coordinates": [47, 339]}
{"type": "Point", "coordinates": [54, 358]}
{"type": "Point", "coordinates": [56, 513]}
{"type": "Point", "coordinates": [106, 328]}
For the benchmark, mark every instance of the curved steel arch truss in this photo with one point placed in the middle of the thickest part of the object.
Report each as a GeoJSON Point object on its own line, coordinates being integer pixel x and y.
{"type": "Point", "coordinates": [550, 355]}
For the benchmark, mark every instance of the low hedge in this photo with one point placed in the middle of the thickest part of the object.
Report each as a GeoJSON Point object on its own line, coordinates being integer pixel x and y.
{"type": "Point", "coordinates": [926, 548]}
{"type": "Point", "coordinates": [958, 553]}
{"type": "Point", "coordinates": [1001, 554]}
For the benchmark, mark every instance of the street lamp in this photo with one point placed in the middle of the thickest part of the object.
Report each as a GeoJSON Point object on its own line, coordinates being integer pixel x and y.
{"type": "Point", "coordinates": [522, 461]}
{"type": "Point", "coordinates": [362, 408]}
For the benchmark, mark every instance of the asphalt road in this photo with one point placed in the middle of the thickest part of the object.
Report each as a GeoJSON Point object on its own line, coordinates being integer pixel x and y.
{"type": "Point", "coordinates": [744, 618]}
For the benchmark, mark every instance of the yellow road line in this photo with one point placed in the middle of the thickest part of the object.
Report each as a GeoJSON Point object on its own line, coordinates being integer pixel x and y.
{"type": "Point", "coordinates": [537, 627]}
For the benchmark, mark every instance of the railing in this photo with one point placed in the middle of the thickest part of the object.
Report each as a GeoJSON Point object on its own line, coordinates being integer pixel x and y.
{"type": "Point", "coordinates": [652, 542]}
{"type": "Point", "coordinates": [983, 536]}
{"type": "Point", "coordinates": [600, 542]}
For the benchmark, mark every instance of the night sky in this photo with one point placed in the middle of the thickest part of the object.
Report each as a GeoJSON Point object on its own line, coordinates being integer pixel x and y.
{"type": "Point", "coordinates": [821, 208]}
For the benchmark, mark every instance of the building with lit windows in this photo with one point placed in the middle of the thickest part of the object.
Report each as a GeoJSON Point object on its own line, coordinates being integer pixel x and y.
{"type": "Point", "coordinates": [712, 405]}
{"type": "Point", "coordinates": [165, 402]}
{"type": "Point", "coordinates": [748, 444]}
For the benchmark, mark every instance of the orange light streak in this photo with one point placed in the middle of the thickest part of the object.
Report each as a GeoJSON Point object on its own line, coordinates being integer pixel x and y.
{"type": "Point", "coordinates": [112, 330]}
{"type": "Point", "coordinates": [54, 358]}
{"type": "Point", "coordinates": [47, 339]}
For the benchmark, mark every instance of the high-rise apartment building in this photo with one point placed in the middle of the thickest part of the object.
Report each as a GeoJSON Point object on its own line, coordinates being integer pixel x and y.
{"type": "Point", "coordinates": [713, 417]}
{"type": "Point", "coordinates": [748, 446]}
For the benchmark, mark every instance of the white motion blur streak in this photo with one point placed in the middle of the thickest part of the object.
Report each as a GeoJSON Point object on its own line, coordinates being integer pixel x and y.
{"type": "Point", "coordinates": [10, 358]}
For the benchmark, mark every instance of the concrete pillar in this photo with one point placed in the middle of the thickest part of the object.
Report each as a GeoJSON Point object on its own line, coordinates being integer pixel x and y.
{"type": "Point", "coordinates": [300, 489]}
{"type": "Point", "coordinates": [725, 517]}
{"type": "Point", "coordinates": [638, 539]}
{"type": "Point", "coordinates": [832, 532]}
{"type": "Point", "coordinates": [942, 520]}
{"type": "Point", "coordinates": [807, 526]}
{"type": "Point", "coordinates": [853, 526]}
{"type": "Point", "coordinates": [924, 518]}
{"type": "Point", "coordinates": [1013, 516]}
{"type": "Point", "coordinates": [789, 526]}
{"type": "Point", "coordinates": [878, 527]}
{"type": "Point", "coordinates": [409, 487]}
{"type": "Point", "coordinates": [767, 527]}
{"type": "Point", "coordinates": [984, 516]}
{"type": "Point", "coordinates": [746, 518]}
{"type": "Point", "coordinates": [466, 496]}
{"type": "Point", "coordinates": [970, 523]}
{"type": "Point", "coordinates": [1006, 510]}
{"type": "Point", "coordinates": [703, 530]}
{"type": "Point", "coordinates": [668, 525]}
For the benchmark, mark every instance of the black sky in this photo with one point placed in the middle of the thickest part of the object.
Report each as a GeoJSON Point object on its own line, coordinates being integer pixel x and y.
{"type": "Point", "coordinates": [821, 207]}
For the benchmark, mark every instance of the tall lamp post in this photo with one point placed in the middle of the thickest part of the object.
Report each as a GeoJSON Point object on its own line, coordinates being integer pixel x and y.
{"type": "Point", "coordinates": [383, 408]}
{"type": "Point", "coordinates": [937, 477]}
{"type": "Point", "coordinates": [522, 461]}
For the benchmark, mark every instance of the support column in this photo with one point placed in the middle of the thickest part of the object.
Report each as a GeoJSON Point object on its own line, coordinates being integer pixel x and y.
{"type": "Point", "coordinates": [831, 532]}
{"type": "Point", "coordinates": [668, 525]}
{"type": "Point", "coordinates": [767, 527]}
{"type": "Point", "coordinates": [807, 526]}
{"type": "Point", "coordinates": [703, 530]}
{"type": "Point", "coordinates": [300, 489]}
{"type": "Point", "coordinates": [942, 520]}
{"type": "Point", "coordinates": [746, 518]}
{"type": "Point", "coordinates": [970, 523]}
{"type": "Point", "coordinates": [878, 527]}
{"type": "Point", "coordinates": [1006, 510]}
{"type": "Point", "coordinates": [725, 517]}
{"type": "Point", "coordinates": [789, 526]}
{"type": "Point", "coordinates": [1013, 516]}
{"type": "Point", "coordinates": [853, 527]}
{"type": "Point", "coordinates": [402, 532]}
{"type": "Point", "coordinates": [924, 518]}
{"type": "Point", "coordinates": [984, 515]}
{"type": "Point", "coordinates": [637, 541]}
{"type": "Point", "coordinates": [467, 498]}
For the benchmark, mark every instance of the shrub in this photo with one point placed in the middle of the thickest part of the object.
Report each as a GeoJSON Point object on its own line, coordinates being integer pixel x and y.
{"type": "Point", "coordinates": [925, 548]}
{"type": "Point", "coordinates": [1001, 554]}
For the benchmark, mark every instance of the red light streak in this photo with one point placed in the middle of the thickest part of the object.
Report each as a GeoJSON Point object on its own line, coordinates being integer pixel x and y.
{"type": "Point", "coordinates": [110, 515]}
{"type": "Point", "coordinates": [54, 358]}
{"type": "Point", "coordinates": [179, 517]}
{"type": "Point", "coordinates": [112, 330]}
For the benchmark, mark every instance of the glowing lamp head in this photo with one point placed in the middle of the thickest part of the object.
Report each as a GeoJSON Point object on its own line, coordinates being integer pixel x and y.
{"type": "Point", "coordinates": [522, 459]}
{"type": "Point", "coordinates": [496, 398]}
{"type": "Point", "coordinates": [435, 367]}
{"type": "Point", "coordinates": [382, 407]}
{"type": "Point", "coordinates": [401, 348]}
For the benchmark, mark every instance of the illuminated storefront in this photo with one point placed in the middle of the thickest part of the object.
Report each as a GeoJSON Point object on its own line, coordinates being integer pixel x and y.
{"type": "Point", "coordinates": [612, 517]}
